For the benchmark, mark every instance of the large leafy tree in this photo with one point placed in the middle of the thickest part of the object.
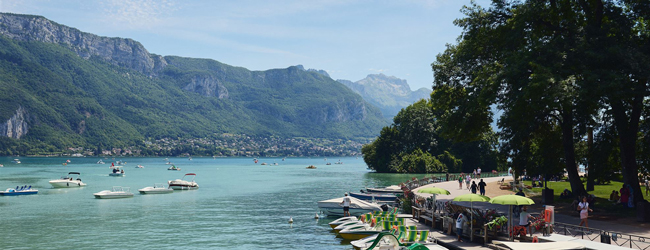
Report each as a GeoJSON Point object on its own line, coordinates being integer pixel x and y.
{"type": "Point", "coordinates": [563, 62]}
{"type": "Point", "coordinates": [413, 143]}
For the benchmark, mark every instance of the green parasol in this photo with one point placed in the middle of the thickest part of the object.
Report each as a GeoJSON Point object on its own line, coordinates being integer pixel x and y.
{"type": "Point", "coordinates": [511, 199]}
{"type": "Point", "coordinates": [435, 191]}
{"type": "Point", "coordinates": [472, 198]}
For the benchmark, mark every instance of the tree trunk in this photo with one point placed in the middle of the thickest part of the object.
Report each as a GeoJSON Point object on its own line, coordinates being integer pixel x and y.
{"type": "Point", "coordinates": [590, 163]}
{"type": "Point", "coordinates": [627, 129]}
{"type": "Point", "coordinates": [570, 155]}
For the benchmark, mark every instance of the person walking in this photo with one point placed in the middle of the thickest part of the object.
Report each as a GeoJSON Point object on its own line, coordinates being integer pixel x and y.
{"type": "Point", "coordinates": [473, 187]}
{"type": "Point", "coordinates": [346, 205]}
{"type": "Point", "coordinates": [584, 211]}
{"type": "Point", "coordinates": [467, 181]}
{"type": "Point", "coordinates": [459, 225]}
{"type": "Point", "coordinates": [481, 186]}
{"type": "Point", "coordinates": [460, 181]}
{"type": "Point", "coordinates": [478, 172]}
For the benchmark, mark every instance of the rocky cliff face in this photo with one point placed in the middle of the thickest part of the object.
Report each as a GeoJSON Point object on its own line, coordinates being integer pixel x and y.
{"type": "Point", "coordinates": [207, 86]}
{"type": "Point", "coordinates": [123, 52]}
{"type": "Point", "coordinates": [389, 93]}
{"type": "Point", "coordinates": [16, 126]}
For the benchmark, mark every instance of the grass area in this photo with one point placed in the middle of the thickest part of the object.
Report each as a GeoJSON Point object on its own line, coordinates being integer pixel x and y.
{"type": "Point", "coordinates": [602, 206]}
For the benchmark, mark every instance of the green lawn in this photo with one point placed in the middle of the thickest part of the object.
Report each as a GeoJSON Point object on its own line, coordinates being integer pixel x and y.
{"type": "Point", "coordinates": [601, 192]}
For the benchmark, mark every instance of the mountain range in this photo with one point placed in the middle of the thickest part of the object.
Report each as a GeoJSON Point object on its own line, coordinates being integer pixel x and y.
{"type": "Point", "coordinates": [389, 93]}
{"type": "Point", "coordinates": [61, 87]}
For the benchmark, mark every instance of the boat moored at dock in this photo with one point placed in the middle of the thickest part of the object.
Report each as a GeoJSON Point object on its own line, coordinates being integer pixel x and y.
{"type": "Point", "coordinates": [332, 207]}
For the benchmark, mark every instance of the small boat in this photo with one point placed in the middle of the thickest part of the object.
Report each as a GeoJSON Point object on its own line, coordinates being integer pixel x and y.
{"type": "Point", "coordinates": [16, 161]}
{"type": "Point", "coordinates": [338, 162]}
{"type": "Point", "coordinates": [182, 184]}
{"type": "Point", "coordinates": [1, 165]}
{"type": "Point", "coordinates": [379, 197]}
{"type": "Point", "coordinates": [24, 190]}
{"type": "Point", "coordinates": [358, 207]}
{"type": "Point", "coordinates": [117, 171]}
{"type": "Point", "coordinates": [139, 166]}
{"type": "Point", "coordinates": [189, 158]}
{"type": "Point", "coordinates": [169, 163]}
{"type": "Point", "coordinates": [173, 167]}
{"type": "Point", "coordinates": [360, 231]}
{"type": "Point", "coordinates": [115, 193]}
{"type": "Point", "coordinates": [263, 163]}
{"type": "Point", "coordinates": [283, 159]}
{"type": "Point", "coordinates": [342, 220]}
{"type": "Point", "coordinates": [100, 161]}
{"type": "Point", "coordinates": [275, 164]}
{"type": "Point", "coordinates": [67, 181]}
{"type": "Point", "coordinates": [67, 161]}
{"type": "Point", "coordinates": [394, 189]}
{"type": "Point", "coordinates": [311, 167]}
{"type": "Point", "coordinates": [158, 188]}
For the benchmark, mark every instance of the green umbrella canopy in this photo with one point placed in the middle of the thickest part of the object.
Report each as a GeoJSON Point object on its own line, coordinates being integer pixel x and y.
{"type": "Point", "coordinates": [472, 198]}
{"type": "Point", "coordinates": [511, 199]}
{"type": "Point", "coordinates": [432, 190]}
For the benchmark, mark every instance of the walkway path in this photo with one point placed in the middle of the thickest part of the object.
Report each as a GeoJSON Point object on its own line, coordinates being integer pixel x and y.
{"type": "Point", "coordinates": [452, 186]}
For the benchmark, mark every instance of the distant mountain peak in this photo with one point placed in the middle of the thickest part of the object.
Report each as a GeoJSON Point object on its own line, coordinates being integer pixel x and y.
{"type": "Point", "coordinates": [319, 71]}
{"type": "Point", "coordinates": [389, 93]}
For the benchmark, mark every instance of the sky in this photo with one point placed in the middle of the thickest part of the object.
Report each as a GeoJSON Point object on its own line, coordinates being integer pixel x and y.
{"type": "Point", "coordinates": [348, 39]}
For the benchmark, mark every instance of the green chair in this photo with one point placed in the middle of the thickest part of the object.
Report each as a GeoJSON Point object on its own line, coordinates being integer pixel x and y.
{"type": "Point", "coordinates": [412, 236]}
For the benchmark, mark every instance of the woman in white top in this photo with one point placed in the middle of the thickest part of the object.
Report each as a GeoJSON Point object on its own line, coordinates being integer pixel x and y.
{"type": "Point", "coordinates": [584, 211]}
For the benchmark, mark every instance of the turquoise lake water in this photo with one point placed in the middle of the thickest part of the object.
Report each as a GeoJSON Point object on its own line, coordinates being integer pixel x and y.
{"type": "Point", "coordinates": [239, 205]}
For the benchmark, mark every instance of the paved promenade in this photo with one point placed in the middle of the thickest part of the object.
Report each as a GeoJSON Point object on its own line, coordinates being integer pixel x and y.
{"type": "Point", "coordinates": [452, 186]}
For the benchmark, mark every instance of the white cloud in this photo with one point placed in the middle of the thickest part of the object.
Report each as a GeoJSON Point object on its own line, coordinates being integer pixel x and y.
{"type": "Point", "coordinates": [136, 14]}
{"type": "Point", "coordinates": [378, 70]}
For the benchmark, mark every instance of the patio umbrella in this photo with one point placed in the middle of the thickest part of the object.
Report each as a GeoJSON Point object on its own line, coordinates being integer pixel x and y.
{"type": "Point", "coordinates": [510, 200]}
{"type": "Point", "coordinates": [472, 198]}
{"type": "Point", "coordinates": [435, 191]}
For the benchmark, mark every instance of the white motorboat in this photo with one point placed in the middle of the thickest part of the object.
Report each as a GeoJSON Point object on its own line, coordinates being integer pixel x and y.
{"type": "Point", "coordinates": [117, 171]}
{"type": "Point", "coordinates": [67, 181]}
{"type": "Point", "coordinates": [158, 188]}
{"type": "Point", "coordinates": [16, 161]}
{"type": "Point", "coordinates": [182, 184]}
{"type": "Point", "coordinates": [139, 166]}
{"type": "Point", "coordinates": [100, 161]}
{"type": "Point", "coordinates": [342, 220]}
{"type": "Point", "coordinates": [115, 193]}
{"type": "Point", "coordinates": [357, 207]}
{"type": "Point", "coordinates": [173, 167]}
{"type": "Point", "coordinates": [394, 189]}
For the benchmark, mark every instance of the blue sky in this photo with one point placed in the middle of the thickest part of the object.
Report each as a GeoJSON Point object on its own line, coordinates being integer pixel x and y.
{"type": "Point", "coordinates": [348, 39]}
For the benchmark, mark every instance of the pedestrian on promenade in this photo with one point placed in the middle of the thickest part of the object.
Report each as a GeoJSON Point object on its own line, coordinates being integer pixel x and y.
{"type": "Point", "coordinates": [346, 205]}
{"type": "Point", "coordinates": [474, 173]}
{"type": "Point", "coordinates": [478, 172]}
{"type": "Point", "coordinates": [460, 181]}
{"type": "Point", "coordinates": [584, 211]}
{"type": "Point", "coordinates": [474, 187]}
{"type": "Point", "coordinates": [481, 187]}
{"type": "Point", "coordinates": [467, 180]}
{"type": "Point", "coordinates": [524, 217]}
{"type": "Point", "coordinates": [625, 195]}
{"type": "Point", "coordinates": [459, 225]}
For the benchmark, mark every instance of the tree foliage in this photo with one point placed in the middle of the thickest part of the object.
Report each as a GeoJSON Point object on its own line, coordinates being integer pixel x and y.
{"type": "Point", "coordinates": [556, 69]}
{"type": "Point", "coordinates": [414, 144]}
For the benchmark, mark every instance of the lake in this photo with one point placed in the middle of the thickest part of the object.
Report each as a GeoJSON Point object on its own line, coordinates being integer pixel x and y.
{"type": "Point", "coordinates": [239, 205]}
